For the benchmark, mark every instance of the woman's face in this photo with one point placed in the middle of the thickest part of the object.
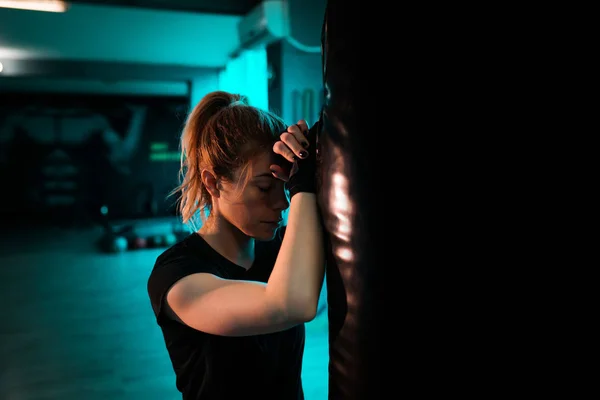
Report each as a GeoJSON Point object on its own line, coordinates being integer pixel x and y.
{"type": "Point", "coordinates": [256, 209]}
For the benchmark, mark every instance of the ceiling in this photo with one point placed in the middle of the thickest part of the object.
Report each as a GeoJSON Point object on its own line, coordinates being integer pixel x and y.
{"type": "Point", "coordinates": [227, 7]}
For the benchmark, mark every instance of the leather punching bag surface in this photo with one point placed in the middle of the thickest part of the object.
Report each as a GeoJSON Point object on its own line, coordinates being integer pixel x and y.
{"type": "Point", "coordinates": [347, 160]}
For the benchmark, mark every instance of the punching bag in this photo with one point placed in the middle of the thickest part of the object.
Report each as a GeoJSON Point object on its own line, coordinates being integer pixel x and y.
{"type": "Point", "coordinates": [347, 162]}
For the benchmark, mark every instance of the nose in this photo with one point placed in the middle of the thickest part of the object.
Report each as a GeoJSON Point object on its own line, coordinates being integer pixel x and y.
{"type": "Point", "coordinates": [281, 202]}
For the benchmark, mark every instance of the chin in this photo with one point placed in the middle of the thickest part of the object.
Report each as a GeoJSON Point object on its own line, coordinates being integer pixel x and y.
{"type": "Point", "coordinates": [264, 234]}
{"type": "Point", "coordinates": [265, 237]}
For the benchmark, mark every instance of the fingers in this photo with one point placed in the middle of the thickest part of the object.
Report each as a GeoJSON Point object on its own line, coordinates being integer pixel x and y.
{"type": "Point", "coordinates": [282, 149]}
{"type": "Point", "coordinates": [293, 143]}
{"type": "Point", "coordinates": [281, 173]}
{"type": "Point", "coordinates": [303, 127]}
{"type": "Point", "coordinates": [278, 172]}
{"type": "Point", "coordinates": [300, 132]}
{"type": "Point", "coordinates": [295, 140]}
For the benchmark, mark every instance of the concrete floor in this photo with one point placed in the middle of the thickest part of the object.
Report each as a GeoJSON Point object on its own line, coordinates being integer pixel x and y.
{"type": "Point", "coordinates": [76, 324]}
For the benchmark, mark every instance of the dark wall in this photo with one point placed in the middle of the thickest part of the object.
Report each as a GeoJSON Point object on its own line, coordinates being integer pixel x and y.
{"type": "Point", "coordinates": [65, 158]}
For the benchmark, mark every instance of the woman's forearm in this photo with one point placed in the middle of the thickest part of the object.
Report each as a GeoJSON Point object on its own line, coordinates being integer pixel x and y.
{"type": "Point", "coordinates": [297, 277]}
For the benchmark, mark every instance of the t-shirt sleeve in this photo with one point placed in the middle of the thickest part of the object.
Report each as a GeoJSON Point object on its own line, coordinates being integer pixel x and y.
{"type": "Point", "coordinates": [166, 272]}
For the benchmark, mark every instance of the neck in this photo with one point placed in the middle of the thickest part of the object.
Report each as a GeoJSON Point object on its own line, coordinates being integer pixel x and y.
{"type": "Point", "coordinates": [229, 241]}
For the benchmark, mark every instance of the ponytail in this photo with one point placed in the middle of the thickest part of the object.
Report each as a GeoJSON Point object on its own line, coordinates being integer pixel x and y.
{"type": "Point", "coordinates": [194, 196]}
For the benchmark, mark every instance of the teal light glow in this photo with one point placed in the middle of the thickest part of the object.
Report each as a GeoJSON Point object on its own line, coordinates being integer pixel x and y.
{"type": "Point", "coordinates": [247, 74]}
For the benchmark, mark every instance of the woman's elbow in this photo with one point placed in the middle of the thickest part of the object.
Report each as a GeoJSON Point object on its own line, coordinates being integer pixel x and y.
{"type": "Point", "coordinates": [295, 307]}
{"type": "Point", "coordinates": [304, 310]}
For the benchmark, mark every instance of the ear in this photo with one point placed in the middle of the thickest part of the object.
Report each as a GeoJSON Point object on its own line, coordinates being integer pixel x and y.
{"type": "Point", "coordinates": [210, 182]}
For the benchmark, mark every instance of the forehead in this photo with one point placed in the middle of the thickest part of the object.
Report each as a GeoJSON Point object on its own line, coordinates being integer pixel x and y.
{"type": "Point", "coordinates": [261, 162]}
{"type": "Point", "coordinates": [257, 167]}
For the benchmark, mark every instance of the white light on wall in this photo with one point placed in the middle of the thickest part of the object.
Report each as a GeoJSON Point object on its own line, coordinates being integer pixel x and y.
{"type": "Point", "coordinates": [1, 67]}
{"type": "Point", "coordinates": [36, 5]}
{"type": "Point", "coordinates": [14, 52]}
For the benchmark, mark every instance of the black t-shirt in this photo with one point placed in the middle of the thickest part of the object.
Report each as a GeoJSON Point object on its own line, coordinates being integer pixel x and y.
{"type": "Point", "coordinates": [217, 367]}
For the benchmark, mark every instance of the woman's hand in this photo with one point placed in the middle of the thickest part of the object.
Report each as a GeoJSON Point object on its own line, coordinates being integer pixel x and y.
{"type": "Point", "coordinates": [292, 146]}
{"type": "Point", "coordinates": [298, 145]}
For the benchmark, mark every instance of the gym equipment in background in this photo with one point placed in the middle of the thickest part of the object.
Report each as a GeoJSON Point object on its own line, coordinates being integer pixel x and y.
{"type": "Point", "coordinates": [152, 233]}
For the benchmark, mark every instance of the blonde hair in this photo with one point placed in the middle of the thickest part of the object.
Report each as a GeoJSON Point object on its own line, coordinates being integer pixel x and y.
{"type": "Point", "coordinates": [222, 133]}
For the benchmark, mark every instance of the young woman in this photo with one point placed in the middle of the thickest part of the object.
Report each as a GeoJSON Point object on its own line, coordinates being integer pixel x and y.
{"type": "Point", "coordinates": [232, 298]}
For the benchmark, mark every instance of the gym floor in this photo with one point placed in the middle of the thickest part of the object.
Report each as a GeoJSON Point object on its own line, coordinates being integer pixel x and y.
{"type": "Point", "coordinates": [77, 324]}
